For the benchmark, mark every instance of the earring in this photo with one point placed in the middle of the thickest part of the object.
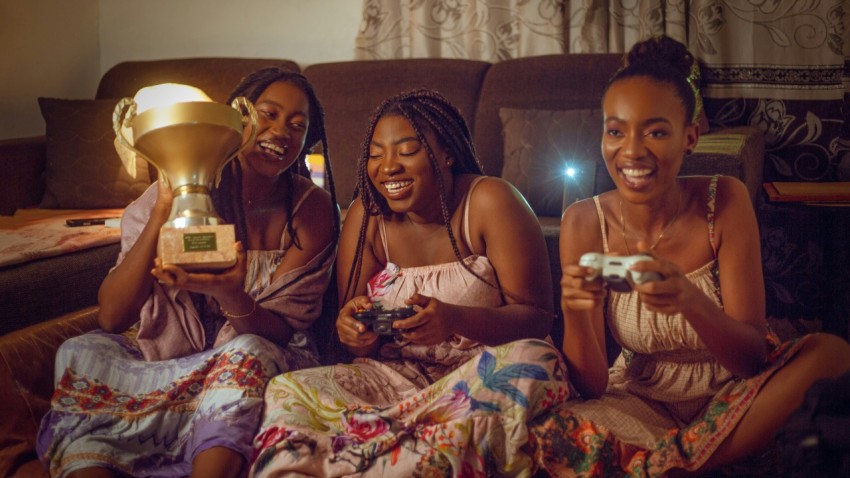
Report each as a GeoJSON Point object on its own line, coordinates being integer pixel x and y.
{"type": "Point", "coordinates": [689, 152]}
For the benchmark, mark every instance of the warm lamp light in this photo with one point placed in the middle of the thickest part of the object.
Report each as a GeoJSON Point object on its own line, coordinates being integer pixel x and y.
{"type": "Point", "coordinates": [316, 164]}
{"type": "Point", "coordinates": [167, 94]}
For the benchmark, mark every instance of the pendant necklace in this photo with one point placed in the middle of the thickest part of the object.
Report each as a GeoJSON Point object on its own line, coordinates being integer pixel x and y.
{"type": "Point", "coordinates": [660, 236]}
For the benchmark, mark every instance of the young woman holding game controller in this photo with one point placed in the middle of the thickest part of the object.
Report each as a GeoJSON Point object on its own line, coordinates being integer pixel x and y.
{"type": "Point", "coordinates": [451, 390]}
{"type": "Point", "coordinates": [701, 382]}
{"type": "Point", "coordinates": [172, 385]}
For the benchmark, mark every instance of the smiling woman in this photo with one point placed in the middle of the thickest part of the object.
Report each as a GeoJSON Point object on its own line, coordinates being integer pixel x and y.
{"type": "Point", "coordinates": [450, 388]}
{"type": "Point", "coordinates": [185, 354]}
{"type": "Point", "coordinates": [701, 382]}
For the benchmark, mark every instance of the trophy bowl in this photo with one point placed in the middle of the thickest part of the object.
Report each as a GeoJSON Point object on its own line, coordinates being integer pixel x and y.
{"type": "Point", "coordinates": [189, 143]}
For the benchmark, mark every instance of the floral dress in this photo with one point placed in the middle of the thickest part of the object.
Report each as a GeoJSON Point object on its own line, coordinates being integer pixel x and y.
{"type": "Point", "coordinates": [453, 409]}
{"type": "Point", "coordinates": [669, 404]}
{"type": "Point", "coordinates": [121, 405]}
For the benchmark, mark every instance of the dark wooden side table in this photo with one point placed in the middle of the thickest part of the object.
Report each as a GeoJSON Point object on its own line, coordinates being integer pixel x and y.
{"type": "Point", "coordinates": [828, 206]}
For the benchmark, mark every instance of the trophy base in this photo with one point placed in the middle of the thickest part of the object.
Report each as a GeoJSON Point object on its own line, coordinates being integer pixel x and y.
{"type": "Point", "coordinates": [198, 248]}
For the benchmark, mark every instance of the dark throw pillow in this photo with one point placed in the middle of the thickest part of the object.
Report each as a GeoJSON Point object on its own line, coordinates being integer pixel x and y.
{"type": "Point", "coordinates": [83, 169]}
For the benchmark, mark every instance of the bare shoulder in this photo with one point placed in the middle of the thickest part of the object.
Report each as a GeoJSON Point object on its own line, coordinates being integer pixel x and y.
{"type": "Point", "coordinates": [315, 215]}
{"type": "Point", "coordinates": [732, 189]}
{"type": "Point", "coordinates": [494, 194]}
{"type": "Point", "coordinates": [581, 230]}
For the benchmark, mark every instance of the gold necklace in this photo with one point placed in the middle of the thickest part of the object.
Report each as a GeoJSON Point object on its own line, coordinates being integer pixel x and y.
{"type": "Point", "coordinates": [660, 236]}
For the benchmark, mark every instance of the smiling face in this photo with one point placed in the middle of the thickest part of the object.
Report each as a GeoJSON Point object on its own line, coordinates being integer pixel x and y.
{"type": "Point", "coordinates": [283, 113]}
{"type": "Point", "coordinates": [645, 135]}
{"type": "Point", "coordinates": [399, 167]}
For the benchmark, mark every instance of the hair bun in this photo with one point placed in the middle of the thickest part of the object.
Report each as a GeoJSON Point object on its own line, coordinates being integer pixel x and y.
{"type": "Point", "coordinates": [664, 50]}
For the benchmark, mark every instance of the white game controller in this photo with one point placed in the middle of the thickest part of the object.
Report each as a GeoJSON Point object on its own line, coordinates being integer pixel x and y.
{"type": "Point", "coordinates": [614, 270]}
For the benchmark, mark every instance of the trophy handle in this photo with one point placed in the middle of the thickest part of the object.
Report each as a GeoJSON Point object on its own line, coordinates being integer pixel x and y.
{"type": "Point", "coordinates": [128, 104]}
{"type": "Point", "coordinates": [249, 115]}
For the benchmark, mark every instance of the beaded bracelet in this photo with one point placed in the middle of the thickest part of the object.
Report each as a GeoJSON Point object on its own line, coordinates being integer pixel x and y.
{"type": "Point", "coordinates": [232, 316]}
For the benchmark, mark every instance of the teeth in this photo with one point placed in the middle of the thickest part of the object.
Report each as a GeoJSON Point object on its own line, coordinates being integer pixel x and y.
{"type": "Point", "coordinates": [273, 149]}
{"type": "Point", "coordinates": [637, 172]}
{"type": "Point", "coordinates": [395, 186]}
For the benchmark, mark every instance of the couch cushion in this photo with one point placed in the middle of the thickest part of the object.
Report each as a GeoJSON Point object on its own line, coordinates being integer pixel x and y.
{"type": "Point", "coordinates": [350, 92]}
{"type": "Point", "coordinates": [539, 145]}
{"type": "Point", "coordinates": [83, 170]}
{"type": "Point", "coordinates": [216, 76]}
{"type": "Point", "coordinates": [552, 82]}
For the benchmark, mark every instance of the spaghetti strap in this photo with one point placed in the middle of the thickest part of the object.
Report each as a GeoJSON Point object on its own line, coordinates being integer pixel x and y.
{"type": "Point", "coordinates": [601, 224]}
{"type": "Point", "coordinates": [382, 231]}
{"type": "Point", "coordinates": [710, 215]}
{"type": "Point", "coordinates": [465, 218]}
{"type": "Point", "coordinates": [303, 197]}
{"type": "Point", "coordinates": [295, 209]}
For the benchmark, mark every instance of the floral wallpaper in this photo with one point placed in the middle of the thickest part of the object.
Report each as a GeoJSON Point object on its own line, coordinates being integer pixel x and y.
{"type": "Point", "coordinates": [780, 65]}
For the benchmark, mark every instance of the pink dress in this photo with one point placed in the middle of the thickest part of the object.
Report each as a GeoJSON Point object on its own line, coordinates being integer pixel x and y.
{"type": "Point", "coordinates": [669, 403]}
{"type": "Point", "coordinates": [453, 408]}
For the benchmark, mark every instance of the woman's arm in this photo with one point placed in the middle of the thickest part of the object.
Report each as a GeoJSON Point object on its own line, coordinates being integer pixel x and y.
{"type": "Point", "coordinates": [313, 224]}
{"type": "Point", "coordinates": [126, 288]}
{"type": "Point", "coordinates": [358, 339]}
{"type": "Point", "coordinates": [502, 227]}
{"type": "Point", "coordinates": [582, 301]}
{"type": "Point", "coordinates": [735, 334]}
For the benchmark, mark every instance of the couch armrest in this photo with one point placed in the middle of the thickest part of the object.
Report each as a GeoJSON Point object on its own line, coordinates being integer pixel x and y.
{"type": "Point", "coordinates": [737, 152]}
{"type": "Point", "coordinates": [22, 163]}
{"type": "Point", "coordinates": [27, 360]}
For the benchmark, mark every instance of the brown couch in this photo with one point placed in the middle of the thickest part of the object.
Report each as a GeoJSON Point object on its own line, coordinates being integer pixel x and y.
{"type": "Point", "coordinates": [40, 306]}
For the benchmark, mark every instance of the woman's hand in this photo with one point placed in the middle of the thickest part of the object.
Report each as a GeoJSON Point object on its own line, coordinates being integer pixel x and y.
{"type": "Point", "coordinates": [673, 294]}
{"type": "Point", "coordinates": [351, 331]}
{"type": "Point", "coordinates": [219, 285]}
{"type": "Point", "coordinates": [164, 198]}
{"type": "Point", "coordinates": [578, 293]}
{"type": "Point", "coordinates": [430, 324]}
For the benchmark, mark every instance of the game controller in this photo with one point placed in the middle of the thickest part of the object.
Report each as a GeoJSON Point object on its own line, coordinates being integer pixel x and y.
{"type": "Point", "coordinates": [614, 270]}
{"type": "Point", "coordinates": [381, 320]}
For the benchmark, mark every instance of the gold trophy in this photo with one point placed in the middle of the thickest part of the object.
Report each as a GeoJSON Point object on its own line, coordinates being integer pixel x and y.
{"type": "Point", "coordinates": [189, 139]}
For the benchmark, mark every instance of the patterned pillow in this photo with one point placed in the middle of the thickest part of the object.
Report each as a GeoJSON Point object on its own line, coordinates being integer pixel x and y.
{"type": "Point", "coordinates": [540, 145]}
{"type": "Point", "coordinates": [83, 170]}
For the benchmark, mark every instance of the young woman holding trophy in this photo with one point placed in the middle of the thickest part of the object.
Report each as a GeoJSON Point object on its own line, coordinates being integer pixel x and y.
{"type": "Point", "coordinates": [173, 383]}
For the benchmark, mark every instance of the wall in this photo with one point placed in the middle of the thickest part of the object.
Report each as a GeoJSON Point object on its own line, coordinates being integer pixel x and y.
{"type": "Point", "coordinates": [45, 54]}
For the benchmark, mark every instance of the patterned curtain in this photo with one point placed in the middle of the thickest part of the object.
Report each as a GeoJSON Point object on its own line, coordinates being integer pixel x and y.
{"type": "Point", "coordinates": [487, 30]}
{"type": "Point", "coordinates": [780, 65]}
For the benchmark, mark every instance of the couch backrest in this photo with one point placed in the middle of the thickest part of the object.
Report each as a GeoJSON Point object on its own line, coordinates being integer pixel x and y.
{"type": "Point", "coordinates": [548, 82]}
{"type": "Point", "coordinates": [216, 76]}
{"type": "Point", "coordinates": [350, 92]}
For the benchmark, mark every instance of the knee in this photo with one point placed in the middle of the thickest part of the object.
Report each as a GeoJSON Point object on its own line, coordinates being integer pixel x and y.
{"type": "Point", "coordinates": [830, 352]}
{"type": "Point", "coordinates": [248, 343]}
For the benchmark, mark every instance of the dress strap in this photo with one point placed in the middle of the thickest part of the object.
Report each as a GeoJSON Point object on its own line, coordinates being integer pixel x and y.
{"type": "Point", "coordinates": [601, 224]}
{"type": "Point", "coordinates": [710, 215]}
{"type": "Point", "coordinates": [295, 209]}
{"type": "Point", "coordinates": [465, 218]}
{"type": "Point", "coordinates": [382, 231]}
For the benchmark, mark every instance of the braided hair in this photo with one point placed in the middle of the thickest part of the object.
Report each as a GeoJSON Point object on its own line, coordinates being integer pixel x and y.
{"type": "Point", "coordinates": [425, 110]}
{"type": "Point", "coordinates": [227, 196]}
{"type": "Point", "coordinates": [667, 61]}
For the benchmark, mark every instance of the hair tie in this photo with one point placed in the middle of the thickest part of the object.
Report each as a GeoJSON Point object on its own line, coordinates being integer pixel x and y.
{"type": "Point", "coordinates": [693, 80]}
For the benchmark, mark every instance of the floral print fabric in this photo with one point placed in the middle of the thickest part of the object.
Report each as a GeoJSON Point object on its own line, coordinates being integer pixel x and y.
{"type": "Point", "coordinates": [367, 420]}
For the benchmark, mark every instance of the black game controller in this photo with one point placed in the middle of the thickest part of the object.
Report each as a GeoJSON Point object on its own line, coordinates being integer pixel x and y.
{"type": "Point", "coordinates": [615, 271]}
{"type": "Point", "coordinates": [381, 320]}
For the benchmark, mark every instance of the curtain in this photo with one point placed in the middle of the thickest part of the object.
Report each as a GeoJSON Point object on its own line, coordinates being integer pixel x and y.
{"type": "Point", "coordinates": [487, 30]}
{"type": "Point", "coordinates": [780, 65]}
